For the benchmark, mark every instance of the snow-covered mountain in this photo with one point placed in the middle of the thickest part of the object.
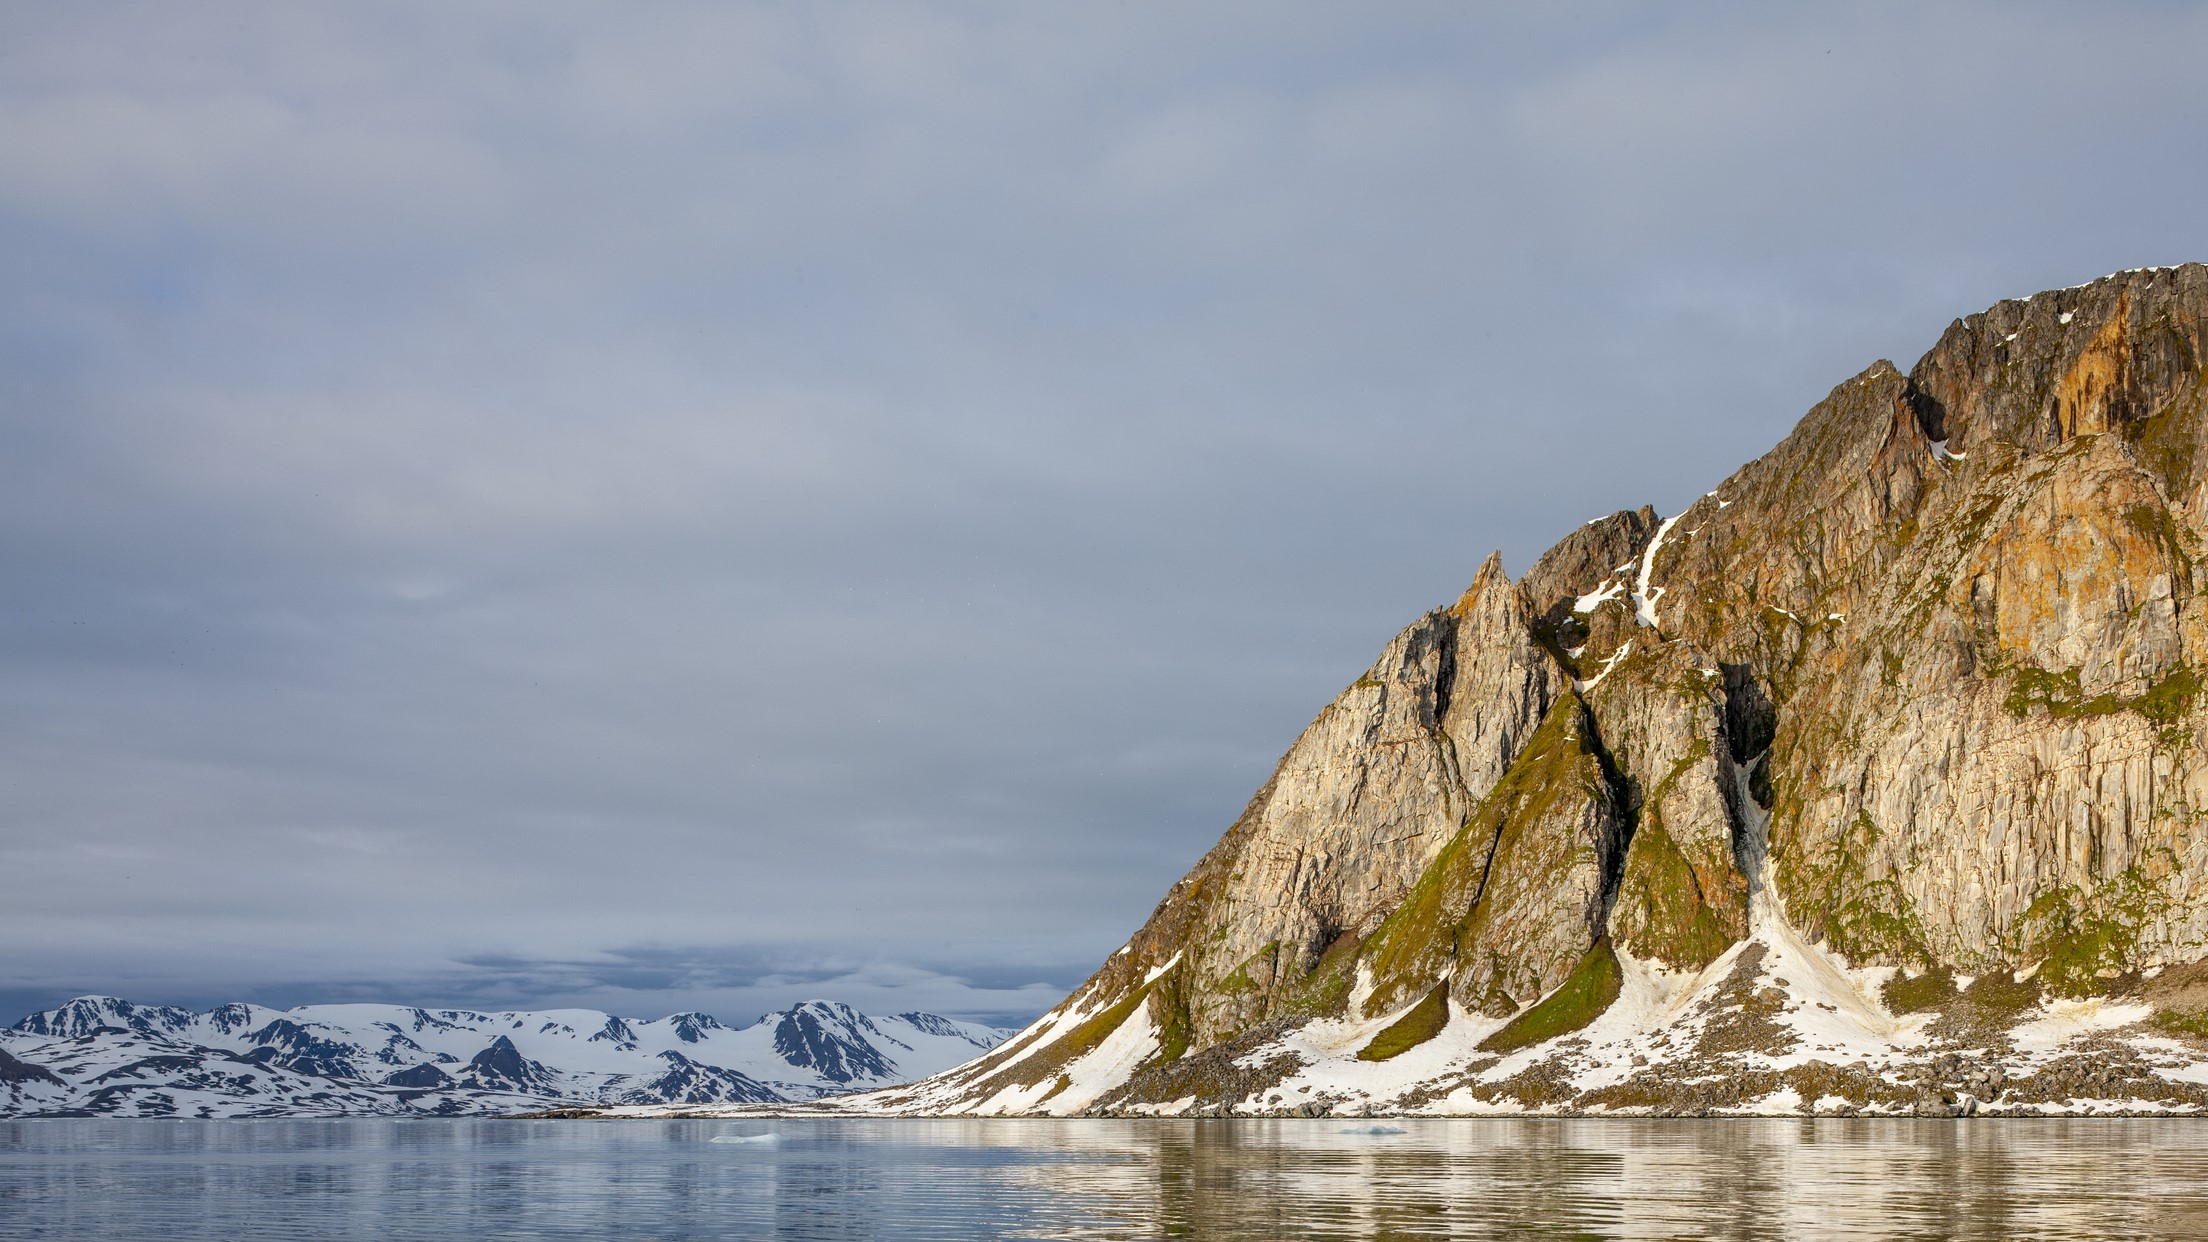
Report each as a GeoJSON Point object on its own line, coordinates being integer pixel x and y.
{"type": "Point", "coordinates": [99, 1056]}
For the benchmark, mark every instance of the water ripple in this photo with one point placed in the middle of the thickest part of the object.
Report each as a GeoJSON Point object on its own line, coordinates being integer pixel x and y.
{"type": "Point", "coordinates": [818, 1179]}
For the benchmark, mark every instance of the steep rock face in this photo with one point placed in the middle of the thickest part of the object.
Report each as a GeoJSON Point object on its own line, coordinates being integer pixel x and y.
{"type": "Point", "coordinates": [1918, 687]}
{"type": "Point", "coordinates": [835, 1041]}
{"type": "Point", "coordinates": [2001, 741]}
{"type": "Point", "coordinates": [1518, 897]}
{"type": "Point", "coordinates": [1966, 595]}
{"type": "Point", "coordinates": [1269, 922]}
{"type": "Point", "coordinates": [1683, 895]}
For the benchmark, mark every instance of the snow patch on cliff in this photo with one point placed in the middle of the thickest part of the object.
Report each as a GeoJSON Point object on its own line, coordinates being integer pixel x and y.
{"type": "Point", "coordinates": [1596, 598]}
{"type": "Point", "coordinates": [1616, 657]}
{"type": "Point", "coordinates": [1644, 602]}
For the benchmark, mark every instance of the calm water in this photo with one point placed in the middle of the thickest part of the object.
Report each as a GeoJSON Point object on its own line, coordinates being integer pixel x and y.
{"type": "Point", "coordinates": [1103, 1179]}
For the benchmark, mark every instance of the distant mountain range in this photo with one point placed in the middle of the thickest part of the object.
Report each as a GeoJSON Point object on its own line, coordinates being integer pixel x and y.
{"type": "Point", "coordinates": [100, 1056]}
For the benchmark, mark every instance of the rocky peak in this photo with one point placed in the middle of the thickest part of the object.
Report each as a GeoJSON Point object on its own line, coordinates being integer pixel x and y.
{"type": "Point", "coordinates": [692, 1027]}
{"type": "Point", "coordinates": [1580, 562]}
{"type": "Point", "coordinates": [231, 1017]}
{"type": "Point", "coordinates": [615, 1032]}
{"type": "Point", "coordinates": [88, 1014]}
{"type": "Point", "coordinates": [2032, 373]}
{"type": "Point", "coordinates": [501, 1066]}
{"type": "Point", "coordinates": [835, 1040]}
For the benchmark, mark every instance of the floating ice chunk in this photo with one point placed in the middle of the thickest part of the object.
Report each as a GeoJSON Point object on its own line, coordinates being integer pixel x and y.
{"type": "Point", "coordinates": [1373, 1130]}
{"type": "Point", "coordinates": [745, 1138]}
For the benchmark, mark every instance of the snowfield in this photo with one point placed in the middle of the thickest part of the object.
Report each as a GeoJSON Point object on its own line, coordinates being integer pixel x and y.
{"type": "Point", "coordinates": [99, 1056]}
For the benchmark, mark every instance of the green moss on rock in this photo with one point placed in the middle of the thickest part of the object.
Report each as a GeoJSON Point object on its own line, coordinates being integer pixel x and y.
{"type": "Point", "coordinates": [1238, 981]}
{"type": "Point", "coordinates": [2055, 693]}
{"type": "Point", "coordinates": [1424, 1021]}
{"type": "Point", "coordinates": [1918, 993]}
{"type": "Point", "coordinates": [2166, 703]}
{"type": "Point", "coordinates": [1169, 1009]}
{"type": "Point", "coordinates": [1083, 1039]}
{"type": "Point", "coordinates": [2184, 1025]}
{"type": "Point", "coordinates": [1325, 991]}
{"type": "Point", "coordinates": [1670, 905]}
{"type": "Point", "coordinates": [2082, 940]}
{"type": "Point", "coordinates": [1591, 989]}
{"type": "Point", "coordinates": [1098, 1027]}
{"type": "Point", "coordinates": [1864, 920]}
{"type": "Point", "coordinates": [2171, 699]}
{"type": "Point", "coordinates": [1504, 848]}
{"type": "Point", "coordinates": [1666, 907]}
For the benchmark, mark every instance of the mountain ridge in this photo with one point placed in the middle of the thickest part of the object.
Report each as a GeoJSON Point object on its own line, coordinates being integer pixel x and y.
{"type": "Point", "coordinates": [103, 1056]}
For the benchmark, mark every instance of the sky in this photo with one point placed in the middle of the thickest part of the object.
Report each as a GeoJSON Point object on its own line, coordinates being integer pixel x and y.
{"type": "Point", "coordinates": [699, 506]}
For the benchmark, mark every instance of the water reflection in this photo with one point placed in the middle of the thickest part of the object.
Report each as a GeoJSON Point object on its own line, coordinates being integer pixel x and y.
{"type": "Point", "coordinates": [1104, 1179]}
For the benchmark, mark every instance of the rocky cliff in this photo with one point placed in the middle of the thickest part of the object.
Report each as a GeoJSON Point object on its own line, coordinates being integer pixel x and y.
{"type": "Point", "coordinates": [1874, 777]}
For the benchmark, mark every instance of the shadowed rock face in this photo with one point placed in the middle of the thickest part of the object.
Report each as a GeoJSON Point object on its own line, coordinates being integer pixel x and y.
{"type": "Point", "coordinates": [13, 1071]}
{"type": "Point", "coordinates": [687, 1082]}
{"type": "Point", "coordinates": [292, 1046]}
{"type": "Point", "coordinates": [502, 1065]}
{"type": "Point", "coordinates": [1922, 679]}
{"type": "Point", "coordinates": [617, 1033]}
{"type": "Point", "coordinates": [835, 1040]}
{"type": "Point", "coordinates": [428, 1077]}
{"type": "Point", "coordinates": [692, 1027]}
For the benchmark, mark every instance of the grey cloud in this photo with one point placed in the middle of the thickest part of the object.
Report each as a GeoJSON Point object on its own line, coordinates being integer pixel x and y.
{"type": "Point", "coordinates": [738, 982]}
